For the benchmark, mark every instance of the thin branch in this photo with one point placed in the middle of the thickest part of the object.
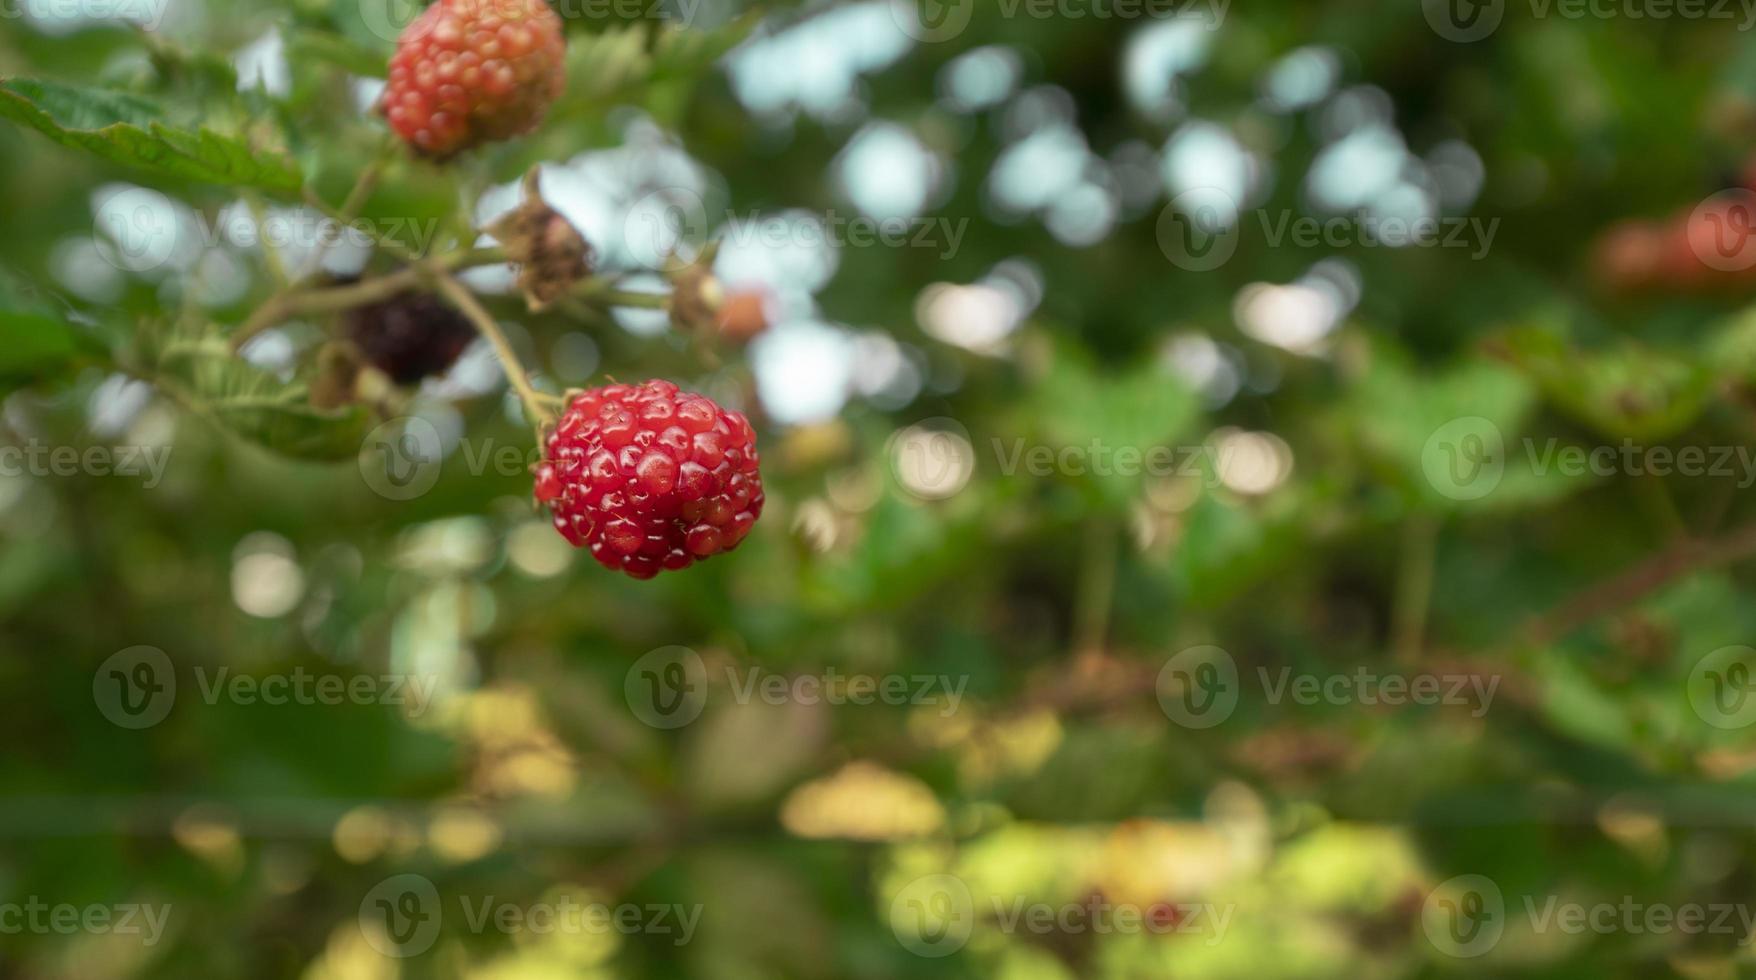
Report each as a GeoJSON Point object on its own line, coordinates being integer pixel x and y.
{"type": "Point", "coordinates": [310, 302]}
{"type": "Point", "coordinates": [284, 306]}
{"type": "Point", "coordinates": [454, 292]}
{"type": "Point", "coordinates": [1096, 587]}
{"type": "Point", "coordinates": [344, 216]}
{"type": "Point", "coordinates": [1414, 587]}
{"type": "Point", "coordinates": [344, 219]}
{"type": "Point", "coordinates": [1654, 573]}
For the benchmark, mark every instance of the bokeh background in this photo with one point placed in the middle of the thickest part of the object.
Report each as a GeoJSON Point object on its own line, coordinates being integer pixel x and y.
{"type": "Point", "coordinates": [1099, 256]}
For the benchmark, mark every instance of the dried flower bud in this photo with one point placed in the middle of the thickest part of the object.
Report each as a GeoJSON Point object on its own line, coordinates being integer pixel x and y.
{"type": "Point", "coordinates": [696, 297]}
{"type": "Point", "coordinates": [550, 252]}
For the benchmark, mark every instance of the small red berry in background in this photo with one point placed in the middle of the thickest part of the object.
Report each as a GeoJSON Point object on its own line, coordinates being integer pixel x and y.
{"type": "Point", "coordinates": [466, 72]}
{"type": "Point", "coordinates": [650, 478]}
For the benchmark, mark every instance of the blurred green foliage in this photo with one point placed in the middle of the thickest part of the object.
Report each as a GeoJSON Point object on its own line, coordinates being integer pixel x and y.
{"type": "Point", "coordinates": [1591, 600]}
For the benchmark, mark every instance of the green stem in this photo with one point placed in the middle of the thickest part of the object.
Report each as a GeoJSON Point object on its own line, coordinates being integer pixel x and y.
{"type": "Point", "coordinates": [1414, 587]}
{"type": "Point", "coordinates": [454, 292]}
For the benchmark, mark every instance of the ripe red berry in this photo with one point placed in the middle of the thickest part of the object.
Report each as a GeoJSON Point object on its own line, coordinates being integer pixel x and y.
{"type": "Point", "coordinates": [650, 477]}
{"type": "Point", "coordinates": [409, 336]}
{"type": "Point", "coordinates": [469, 71]}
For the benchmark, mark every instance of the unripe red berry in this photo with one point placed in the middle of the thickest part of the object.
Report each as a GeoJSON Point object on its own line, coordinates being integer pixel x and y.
{"type": "Point", "coordinates": [744, 314]}
{"type": "Point", "coordinates": [650, 478]}
{"type": "Point", "coordinates": [466, 72]}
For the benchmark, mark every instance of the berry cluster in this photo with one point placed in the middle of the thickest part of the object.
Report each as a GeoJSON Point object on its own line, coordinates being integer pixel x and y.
{"type": "Point", "coordinates": [469, 71]}
{"type": "Point", "coordinates": [650, 478]}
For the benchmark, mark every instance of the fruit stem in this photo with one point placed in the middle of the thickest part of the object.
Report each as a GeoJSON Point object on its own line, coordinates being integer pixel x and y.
{"type": "Point", "coordinates": [457, 295]}
{"type": "Point", "coordinates": [344, 216]}
{"type": "Point", "coordinates": [627, 297]}
{"type": "Point", "coordinates": [285, 305]}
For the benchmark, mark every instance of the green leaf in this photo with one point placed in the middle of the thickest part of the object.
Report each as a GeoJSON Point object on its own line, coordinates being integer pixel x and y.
{"type": "Point", "coordinates": [126, 129]}
{"type": "Point", "coordinates": [333, 49]}
{"type": "Point", "coordinates": [203, 374]}
{"type": "Point", "coordinates": [1631, 391]}
{"type": "Point", "coordinates": [1410, 422]}
{"type": "Point", "coordinates": [35, 337]}
{"type": "Point", "coordinates": [683, 51]}
{"type": "Point", "coordinates": [31, 342]}
{"type": "Point", "coordinates": [1139, 409]}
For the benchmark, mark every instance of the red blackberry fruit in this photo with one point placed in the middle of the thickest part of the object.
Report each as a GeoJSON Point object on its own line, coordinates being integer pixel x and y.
{"type": "Point", "coordinates": [649, 477]}
{"type": "Point", "coordinates": [469, 71]}
{"type": "Point", "coordinates": [409, 336]}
